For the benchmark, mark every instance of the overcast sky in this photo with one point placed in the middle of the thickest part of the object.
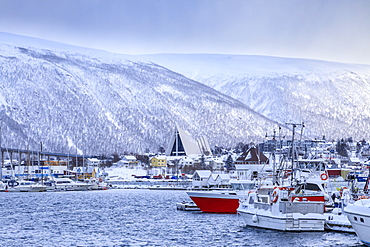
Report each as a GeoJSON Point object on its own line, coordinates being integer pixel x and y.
{"type": "Point", "coordinates": [334, 30]}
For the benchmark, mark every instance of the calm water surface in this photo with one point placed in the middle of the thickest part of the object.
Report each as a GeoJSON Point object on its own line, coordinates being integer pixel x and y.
{"type": "Point", "coordinates": [134, 218]}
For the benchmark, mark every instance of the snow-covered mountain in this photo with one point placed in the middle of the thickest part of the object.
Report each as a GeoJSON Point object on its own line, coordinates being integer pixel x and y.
{"type": "Point", "coordinates": [93, 102]}
{"type": "Point", "coordinates": [332, 99]}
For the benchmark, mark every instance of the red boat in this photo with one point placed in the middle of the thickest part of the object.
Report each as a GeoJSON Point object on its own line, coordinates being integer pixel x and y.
{"type": "Point", "coordinates": [215, 201]}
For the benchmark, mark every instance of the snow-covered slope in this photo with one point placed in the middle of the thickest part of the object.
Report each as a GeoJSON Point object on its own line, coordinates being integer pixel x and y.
{"type": "Point", "coordinates": [331, 98]}
{"type": "Point", "coordinates": [72, 98]}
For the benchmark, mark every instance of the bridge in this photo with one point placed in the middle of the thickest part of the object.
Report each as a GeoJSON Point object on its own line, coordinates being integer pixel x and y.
{"type": "Point", "coordinates": [39, 154]}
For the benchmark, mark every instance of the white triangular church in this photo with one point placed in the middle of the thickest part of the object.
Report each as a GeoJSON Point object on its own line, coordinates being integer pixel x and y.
{"type": "Point", "coordinates": [182, 144]}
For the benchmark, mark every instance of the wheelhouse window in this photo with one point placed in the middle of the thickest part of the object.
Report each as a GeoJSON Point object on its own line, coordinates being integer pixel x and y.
{"type": "Point", "coordinates": [307, 186]}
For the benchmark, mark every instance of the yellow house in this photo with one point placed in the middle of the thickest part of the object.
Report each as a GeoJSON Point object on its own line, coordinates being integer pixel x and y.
{"type": "Point", "coordinates": [55, 163]}
{"type": "Point", "coordinates": [158, 161]}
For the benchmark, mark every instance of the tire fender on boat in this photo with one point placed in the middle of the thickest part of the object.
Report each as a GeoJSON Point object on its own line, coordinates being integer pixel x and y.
{"type": "Point", "coordinates": [255, 218]}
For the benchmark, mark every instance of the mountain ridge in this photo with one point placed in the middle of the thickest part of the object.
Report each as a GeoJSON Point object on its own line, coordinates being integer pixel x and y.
{"type": "Point", "coordinates": [329, 97]}
{"type": "Point", "coordinates": [91, 101]}
{"type": "Point", "coordinates": [74, 102]}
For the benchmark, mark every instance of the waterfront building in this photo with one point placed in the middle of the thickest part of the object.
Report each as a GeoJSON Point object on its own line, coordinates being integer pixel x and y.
{"type": "Point", "coordinates": [127, 161]}
{"type": "Point", "coordinates": [217, 164]}
{"type": "Point", "coordinates": [94, 162]}
{"type": "Point", "coordinates": [158, 161]}
{"type": "Point", "coordinates": [201, 178]}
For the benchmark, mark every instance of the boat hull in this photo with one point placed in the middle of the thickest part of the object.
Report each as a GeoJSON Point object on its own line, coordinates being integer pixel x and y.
{"type": "Point", "coordinates": [338, 223]}
{"type": "Point", "coordinates": [215, 202]}
{"type": "Point", "coordinates": [27, 189]}
{"type": "Point", "coordinates": [295, 223]}
{"type": "Point", "coordinates": [359, 216]}
{"type": "Point", "coordinates": [72, 187]}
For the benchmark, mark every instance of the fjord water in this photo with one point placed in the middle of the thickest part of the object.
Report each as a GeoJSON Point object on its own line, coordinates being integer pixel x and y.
{"type": "Point", "coordinates": [134, 218]}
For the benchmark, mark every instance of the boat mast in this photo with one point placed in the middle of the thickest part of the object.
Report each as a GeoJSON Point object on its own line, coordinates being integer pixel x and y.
{"type": "Point", "coordinates": [274, 160]}
{"type": "Point", "coordinates": [293, 148]}
{"type": "Point", "coordinates": [274, 178]}
{"type": "Point", "coordinates": [39, 164]}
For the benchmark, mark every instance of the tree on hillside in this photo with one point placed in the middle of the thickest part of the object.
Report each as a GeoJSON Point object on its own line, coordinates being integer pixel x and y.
{"type": "Point", "coordinates": [239, 147]}
{"type": "Point", "coordinates": [144, 159]}
{"type": "Point", "coordinates": [217, 150]}
{"type": "Point", "coordinates": [161, 150]}
{"type": "Point", "coordinates": [115, 158]}
{"type": "Point", "coordinates": [229, 163]}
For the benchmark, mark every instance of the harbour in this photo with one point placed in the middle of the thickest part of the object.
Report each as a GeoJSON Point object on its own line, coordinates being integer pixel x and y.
{"type": "Point", "coordinates": [91, 205]}
{"type": "Point", "coordinates": [184, 123]}
{"type": "Point", "coordinates": [122, 217]}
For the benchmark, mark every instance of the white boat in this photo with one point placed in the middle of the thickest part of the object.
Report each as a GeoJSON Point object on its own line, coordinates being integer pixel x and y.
{"type": "Point", "coordinates": [24, 186]}
{"type": "Point", "coordinates": [280, 208]}
{"type": "Point", "coordinates": [337, 221]}
{"type": "Point", "coordinates": [97, 184]}
{"type": "Point", "coordinates": [68, 184]}
{"type": "Point", "coordinates": [187, 206]}
{"type": "Point", "coordinates": [358, 214]}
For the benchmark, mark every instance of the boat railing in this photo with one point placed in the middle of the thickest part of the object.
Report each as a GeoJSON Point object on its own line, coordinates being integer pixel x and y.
{"type": "Point", "coordinates": [262, 205]}
{"type": "Point", "coordinates": [301, 207]}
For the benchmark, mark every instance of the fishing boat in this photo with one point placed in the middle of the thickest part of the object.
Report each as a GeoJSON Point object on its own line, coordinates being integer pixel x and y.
{"type": "Point", "coordinates": [358, 214]}
{"type": "Point", "coordinates": [295, 202]}
{"type": "Point", "coordinates": [215, 201]}
{"type": "Point", "coordinates": [282, 208]}
{"type": "Point", "coordinates": [223, 201]}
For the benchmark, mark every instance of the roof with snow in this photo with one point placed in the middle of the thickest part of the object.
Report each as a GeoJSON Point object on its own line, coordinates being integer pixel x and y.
{"type": "Point", "coordinates": [129, 157]}
{"type": "Point", "coordinates": [159, 157]}
{"type": "Point", "coordinates": [213, 177]}
{"type": "Point", "coordinates": [202, 174]}
{"type": "Point", "coordinates": [252, 156]}
{"type": "Point", "coordinates": [223, 176]}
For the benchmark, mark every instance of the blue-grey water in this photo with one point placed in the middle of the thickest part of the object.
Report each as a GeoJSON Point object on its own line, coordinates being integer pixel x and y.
{"type": "Point", "coordinates": [134, 218]}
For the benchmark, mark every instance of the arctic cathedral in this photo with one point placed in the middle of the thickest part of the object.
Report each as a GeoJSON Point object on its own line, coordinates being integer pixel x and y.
{"type": "Point", "coordinates": [182, 144]}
